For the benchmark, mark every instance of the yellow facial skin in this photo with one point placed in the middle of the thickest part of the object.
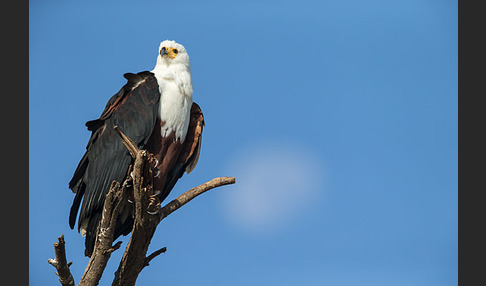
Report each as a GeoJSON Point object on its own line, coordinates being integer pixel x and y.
{"type": "Point", "coordinates": [169, 52]}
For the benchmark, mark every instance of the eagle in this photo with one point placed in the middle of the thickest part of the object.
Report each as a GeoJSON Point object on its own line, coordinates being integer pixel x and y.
{"type": "Point", "coordinates": [155, 109]}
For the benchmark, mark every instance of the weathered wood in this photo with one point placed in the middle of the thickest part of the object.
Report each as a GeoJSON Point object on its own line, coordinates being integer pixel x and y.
{"type": "Point", "coordinates": [192, 193]}
{"type": "Point", "coordinates": [145, 222]}
{"type": "Point", "coordinates": [60, 263]}
{"type": "Point", "coordinates": [134, 260]}
{"type": "Point", "coordinates": [104, 239]}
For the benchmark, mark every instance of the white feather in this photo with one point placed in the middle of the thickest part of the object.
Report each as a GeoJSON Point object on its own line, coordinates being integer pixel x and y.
{"type": "Point", "coordinates": [175, 84]}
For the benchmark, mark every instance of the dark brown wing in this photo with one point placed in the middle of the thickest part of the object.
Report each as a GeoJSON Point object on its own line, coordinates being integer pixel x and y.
{"type": "Point", "coordinates": [134, 109]}
{"type": "Point", "coordinates": [194, 135]}
{"type": "Point", "coordinates": [190, 150]}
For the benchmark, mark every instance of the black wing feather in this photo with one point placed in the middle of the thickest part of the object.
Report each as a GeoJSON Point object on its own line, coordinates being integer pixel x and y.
{"type": "Point", "coordinates": [134, 109]}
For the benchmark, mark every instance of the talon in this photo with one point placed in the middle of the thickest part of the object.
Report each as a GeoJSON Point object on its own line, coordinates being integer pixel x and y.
{"type": "Point", "coordinates": [153, 213]}
{"type": "Point", "coordinates": [130, 201]}
{"type": "Point", "coordinates": [157, 193]}
{"type": "Point", "coordinates": [154, 204]}
{"type": "Point", "coordinates": [158, 173]}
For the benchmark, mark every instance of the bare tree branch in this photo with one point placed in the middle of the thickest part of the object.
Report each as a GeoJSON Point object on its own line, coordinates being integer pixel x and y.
{"type": "Point", "coordinates": [131, 146]}
{"type": "Point", "coordinates": [153, 255]}
{"type": "Point", "coordinates": [144, 225]}
{"type": "Point", "coordinates": [192, 193]}
{"type": "Point", "coordinates": [147, 216]}
{"type": "Point", "coordinates": [60, 263]}
{"type": "Point", "coordinates": [134, 260]}
{"type": "Point", "coordinates": [104, 238]}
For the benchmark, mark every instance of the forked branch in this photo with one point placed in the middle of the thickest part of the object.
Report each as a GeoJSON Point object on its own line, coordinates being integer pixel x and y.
{"type": "Point", "coordinates": [61, 264]}
{"type": "Point", "coordinates": [134, 258]}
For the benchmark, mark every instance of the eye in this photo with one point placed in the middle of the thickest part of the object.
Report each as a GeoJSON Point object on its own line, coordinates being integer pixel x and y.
{"type": "Point", "coordinates": [175, 51]}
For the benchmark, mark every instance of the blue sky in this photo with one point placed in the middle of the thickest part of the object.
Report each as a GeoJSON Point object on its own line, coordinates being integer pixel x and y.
{"type": "Point", "coordinates": [337, 118]}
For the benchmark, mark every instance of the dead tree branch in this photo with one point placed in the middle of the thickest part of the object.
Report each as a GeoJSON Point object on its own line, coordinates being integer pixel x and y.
{"type": "Point", "coordinates": [192, 193]}
{"type": "Point", "coordinates": [144, 225]}
{"type": "Point", "coordinates": [147, 216]}
{"type": "Point", "coordinates": [104, 239]}
{"type": "Point", "coordinates": [134, 260]}
{"type": "Point", "coordinates": [153, 255]}
{"type": "Point", "coordinates": [60, 263]}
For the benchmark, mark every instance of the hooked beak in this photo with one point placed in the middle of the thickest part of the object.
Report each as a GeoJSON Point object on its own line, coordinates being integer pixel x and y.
{"type": "Point", "coordinates": [163, 52]}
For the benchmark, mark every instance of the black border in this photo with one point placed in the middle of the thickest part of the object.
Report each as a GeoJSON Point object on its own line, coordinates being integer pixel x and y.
{"type": "Point", "coordinates": [471, 81]}
{"type": "Point", "coordinates": [15, 143]}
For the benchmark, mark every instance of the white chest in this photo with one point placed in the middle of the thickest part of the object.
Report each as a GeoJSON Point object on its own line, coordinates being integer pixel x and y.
{"type": "Point", "coordinates": [175, 103]}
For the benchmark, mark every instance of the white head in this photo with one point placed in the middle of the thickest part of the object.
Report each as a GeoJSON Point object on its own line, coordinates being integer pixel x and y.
{"type": "Point", "coordinates": [172, 53]}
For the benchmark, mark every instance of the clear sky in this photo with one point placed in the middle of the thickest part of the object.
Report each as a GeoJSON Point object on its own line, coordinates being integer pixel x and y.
{"type": "Point", "coordinates": [337, 118]}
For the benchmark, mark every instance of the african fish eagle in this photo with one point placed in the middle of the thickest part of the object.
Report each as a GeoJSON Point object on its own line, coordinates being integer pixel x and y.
{"type": "Point", "coordinates": [154, 109]}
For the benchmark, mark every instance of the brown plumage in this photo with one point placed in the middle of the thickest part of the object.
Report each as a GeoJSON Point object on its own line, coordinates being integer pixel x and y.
{"type": "Point", "coordinates": [175, 157]}
{"type": "Point", "coordinates": [135, 109]}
